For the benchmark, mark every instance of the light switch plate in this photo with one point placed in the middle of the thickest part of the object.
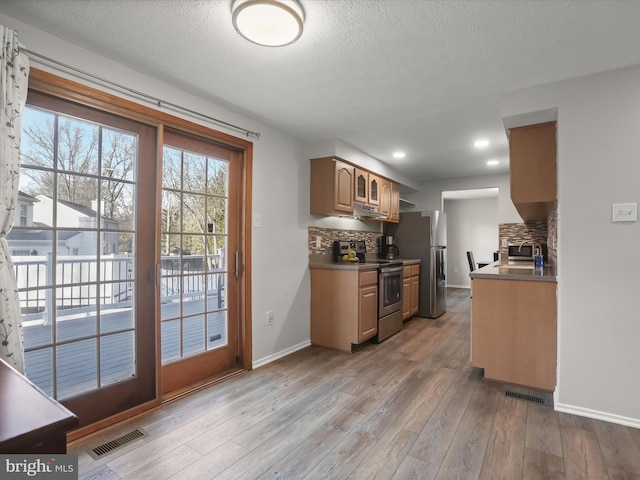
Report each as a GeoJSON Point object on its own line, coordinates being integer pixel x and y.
{"type": "Point", "coordinates": [624, 212]}
{"type": "Point", "coordinates": [257, 220]}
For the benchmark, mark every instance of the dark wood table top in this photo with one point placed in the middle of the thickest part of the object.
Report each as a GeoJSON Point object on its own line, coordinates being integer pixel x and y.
{"type": "Point", "coordinates": [27, 414]}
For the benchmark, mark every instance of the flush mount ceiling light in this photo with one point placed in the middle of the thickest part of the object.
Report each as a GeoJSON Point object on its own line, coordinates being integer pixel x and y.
{"type": "Point", "coordinates": [481, 143]}
{"type": "Point", "coordinates": [492, 162]}
{"type": "Point", "coordinates": [271, 23]}
{"type": "Point", "coordinates": [399, 155]}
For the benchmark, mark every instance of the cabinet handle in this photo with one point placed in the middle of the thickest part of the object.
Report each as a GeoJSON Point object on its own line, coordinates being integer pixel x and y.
{"type": "Point", "coordinates": [236, 264]}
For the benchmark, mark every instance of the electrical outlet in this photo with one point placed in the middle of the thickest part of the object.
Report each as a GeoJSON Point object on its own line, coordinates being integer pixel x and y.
{"type": "Point", "coordinates": [504, 243]}
{"type": "Point", "coordinates": [318, 241]}
{"type": "Point", "coordinates": [624, 212]}
{"type": "Point", "coordinates": [269, 318]}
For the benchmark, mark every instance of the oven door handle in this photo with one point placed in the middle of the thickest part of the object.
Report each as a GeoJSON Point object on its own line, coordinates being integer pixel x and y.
{"type": "Point", "coordinates": [384, 271]}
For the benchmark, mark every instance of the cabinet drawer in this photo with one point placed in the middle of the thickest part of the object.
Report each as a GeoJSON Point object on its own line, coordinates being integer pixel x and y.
{"type": "Point", "coordinates": [406, 271]}
{"type": "Point", "coordinates": [368, 278]}
{"type": "Point", "coordinates": [415, 270]}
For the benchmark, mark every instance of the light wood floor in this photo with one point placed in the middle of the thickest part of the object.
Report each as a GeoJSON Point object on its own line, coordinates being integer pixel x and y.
{"type": "Point", "coordinates": [411, 407]}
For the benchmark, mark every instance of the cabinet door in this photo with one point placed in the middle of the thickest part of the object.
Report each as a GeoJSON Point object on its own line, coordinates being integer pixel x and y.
{"type": "Point", "coordinates": [374, 189]}
{"type": "Point", "coordinates": [368, 318]}
{"type": "Point", "coordinates": [362, 186]}
{"type": "Point", "coordinates": [406, 298]}
{"type": "Point", "coordinates": [385, 196]}
{"type": "Point", "coordinates": [394, 204]}
{"type": "Point", "coordinates": [532, 163]}
{"type": "Point", "coordinates": [415, 293]}
{"type": "Point", "coordinates": [533, 170]}
{"type": "Point", "coordinates": [343, 187]}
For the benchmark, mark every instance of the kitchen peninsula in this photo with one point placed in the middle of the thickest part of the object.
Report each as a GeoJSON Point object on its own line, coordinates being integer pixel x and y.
{"type": "Point", "coordinates": [513, 324]}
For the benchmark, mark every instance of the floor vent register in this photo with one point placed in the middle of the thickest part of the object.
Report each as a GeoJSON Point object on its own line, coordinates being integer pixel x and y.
{"type": "Point", "coordinates": [115, 444]}
{"type": "Point", "coordinates": [541, 400]}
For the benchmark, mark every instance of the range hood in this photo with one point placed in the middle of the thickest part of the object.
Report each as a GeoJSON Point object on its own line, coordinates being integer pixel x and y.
{"type": "Point", "coordinates": [364, 210]}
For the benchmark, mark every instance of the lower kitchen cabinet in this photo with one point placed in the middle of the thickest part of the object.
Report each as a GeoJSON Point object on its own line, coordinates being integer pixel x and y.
{"type": "Point", "coordinates": [415, 288]}
{"type": "Point", "coordinates": [410, 290]}
{"type": "Point", "coordinates": [344, 307]}
{"type": "Point", "coordinates": [513, 331]}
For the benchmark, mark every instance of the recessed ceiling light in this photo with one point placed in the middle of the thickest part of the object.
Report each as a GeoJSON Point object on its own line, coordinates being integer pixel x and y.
{"type": "Point", "coordinates": [398, 155]}
{"type": "Point", "coordinates": [481, 143]}
{"type": "Point", "coordinates": [491, 163]}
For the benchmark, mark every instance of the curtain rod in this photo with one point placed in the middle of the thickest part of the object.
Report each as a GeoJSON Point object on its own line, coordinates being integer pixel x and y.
{"type": "Point", "coordinates": [159, 102]}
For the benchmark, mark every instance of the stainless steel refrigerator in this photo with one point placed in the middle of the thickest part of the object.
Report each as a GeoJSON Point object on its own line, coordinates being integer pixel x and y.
{"type": "Point", "coordinates": [423, 235]}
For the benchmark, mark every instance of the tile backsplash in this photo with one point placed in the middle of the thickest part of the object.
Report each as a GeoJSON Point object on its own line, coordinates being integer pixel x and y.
{"type": "Point", "coordinates": [328, 235]}
{"type": "Point", "coordinates": [540, 232]}
{"type": "Point", "coordinates": [514, 233]}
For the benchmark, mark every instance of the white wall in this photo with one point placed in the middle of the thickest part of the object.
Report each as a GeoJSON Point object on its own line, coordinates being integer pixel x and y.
{"type": "Point", "coordinates": [598, 261]}
{"type": "Point", "coordinates": [472, 225]}
{"type": "Point", "coordinates": [280, 193]}
{"type": "Point", "coordinates": [430, 195]}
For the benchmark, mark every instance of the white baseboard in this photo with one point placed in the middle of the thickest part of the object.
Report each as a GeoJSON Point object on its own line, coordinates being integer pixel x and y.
{"type": "Point", "coordinates": [596, 415]}
{"type": "Point", "coordinates": [459, 286]}
{"type": "Point", "coordinates": [282, 353]}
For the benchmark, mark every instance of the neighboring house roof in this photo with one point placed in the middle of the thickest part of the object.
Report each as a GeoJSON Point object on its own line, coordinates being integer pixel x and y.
{"type": "Point", "coordinates": [86, 211]}
{"type": "Point", "coordinates": [25, 197]}
{"type": "Point", "coordinates": [89, 212]}
{"type": "Point", "coordinates": [32, 235]}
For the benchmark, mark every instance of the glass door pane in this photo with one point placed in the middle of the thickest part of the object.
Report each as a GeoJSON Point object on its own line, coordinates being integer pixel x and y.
{"type": "Point", "coordinates": [198, 328]}
{"type": "Point", "coordinates": [193, 261]}
{"type": "Point", "coordinates": [75, 251]}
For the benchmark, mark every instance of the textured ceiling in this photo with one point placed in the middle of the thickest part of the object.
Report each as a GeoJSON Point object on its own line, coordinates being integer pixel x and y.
{"type": "Point", "coordinates": [380, 75]}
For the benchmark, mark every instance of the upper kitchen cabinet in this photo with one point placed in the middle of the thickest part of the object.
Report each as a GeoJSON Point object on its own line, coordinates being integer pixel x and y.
{"type": "Point", "coordinates": [374, 189]}
{"type": "Point", "coordinates": [332, 186]}
{"type": "Point", "coordinates": [362, 186]}
{"type": "Point", "coordinates": [532, 162]}
{"type": "Point", "coordinates": [385, 196]}
{"type": "Point", "coordinates": [337, 184]}
{"type": "Point", "coordinates": [367, 187]}
{"type": "Point", "coordinates": [394, 207]}
{"type": "Point", "coordinates": [390, 200]}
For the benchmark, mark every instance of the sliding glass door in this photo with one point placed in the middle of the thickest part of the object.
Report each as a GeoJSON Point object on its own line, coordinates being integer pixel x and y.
{"type": "Point", "coordinates": [83, 254]}
{"type": "Point", "coordinates": [198, 243]}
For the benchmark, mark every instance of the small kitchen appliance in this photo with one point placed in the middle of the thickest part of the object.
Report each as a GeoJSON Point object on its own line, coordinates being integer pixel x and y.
{"type": "Point", "coordinates": [387, 247]}
{"type": "Point", "coordinates": [526, 251]}
{"type": "Point", "coordinates": [343, 247]}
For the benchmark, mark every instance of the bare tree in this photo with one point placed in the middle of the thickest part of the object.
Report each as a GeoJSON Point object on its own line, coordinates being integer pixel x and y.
{"type": "Point", "coordinates": [195, 185]}
{"type": "Point", "coordinates": [118, 160]}
{"type": "Point", "coordinates": [73, 148]}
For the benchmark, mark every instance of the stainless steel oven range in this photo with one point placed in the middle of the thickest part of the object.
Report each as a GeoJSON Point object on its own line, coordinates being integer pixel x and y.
{"type": "Point", "coordinates": [389, 299]}
{"type": "Point", "coordinates": [389, 286]}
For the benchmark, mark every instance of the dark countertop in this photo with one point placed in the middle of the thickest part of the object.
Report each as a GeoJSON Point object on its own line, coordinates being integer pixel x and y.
{"type": "Point", "coordinates": [324, 261]}
{"type": "Point", "coordinates": [408, 261]}
{"type": "Point", "coordinates": [498, 271]}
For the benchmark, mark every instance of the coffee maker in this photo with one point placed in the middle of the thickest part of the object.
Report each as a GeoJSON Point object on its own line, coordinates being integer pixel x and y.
{"type": "Point", "coordinates": [387, 247]}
